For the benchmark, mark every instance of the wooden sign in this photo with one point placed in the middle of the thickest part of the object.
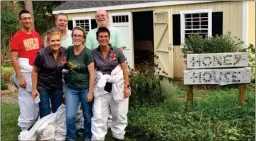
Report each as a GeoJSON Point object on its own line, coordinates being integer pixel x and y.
{"type": "Point", "coordinates": [217, 76]}
{"type": "Point", "coordinates": [217, 60]}
{"type": "Point", "coordinates": [217, 68]}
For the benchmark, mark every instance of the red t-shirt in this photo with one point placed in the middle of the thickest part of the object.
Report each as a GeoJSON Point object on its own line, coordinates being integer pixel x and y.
{"type": "Point", "coordinates": [26, 44]}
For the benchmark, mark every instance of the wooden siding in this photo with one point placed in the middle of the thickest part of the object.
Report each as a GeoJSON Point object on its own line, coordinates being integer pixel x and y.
{"type": "Point", "coordinates": [232, 21]}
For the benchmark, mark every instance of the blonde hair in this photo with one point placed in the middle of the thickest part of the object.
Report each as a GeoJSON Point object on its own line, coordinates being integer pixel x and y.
{"type": "Point", "coordinates": [52, 32]}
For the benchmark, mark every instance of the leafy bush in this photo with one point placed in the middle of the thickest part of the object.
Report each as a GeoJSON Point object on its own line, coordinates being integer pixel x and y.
{"type": "Point", "coordinates": [251, 51]}
{"type": "Point", "coordinates": [216, 44]}
{"type": "Point", "coordinates": [218, 117]}
{"type": "Point", "coordinates": [4, 86]}
{"type": "Point", "coordinates": [6, 73]}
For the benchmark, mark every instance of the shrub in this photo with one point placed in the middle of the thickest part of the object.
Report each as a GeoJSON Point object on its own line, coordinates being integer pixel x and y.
{"type": "Point", "coordinates": [218, 117]}
{"type": "Point", "coordinates": [4, 86]}
{"type": "Point", "coordinates": [7, 72]}
{"type": "Point", "coordinates": [216, 44]}
{"type": "Point", "coordinates": [251, 51]}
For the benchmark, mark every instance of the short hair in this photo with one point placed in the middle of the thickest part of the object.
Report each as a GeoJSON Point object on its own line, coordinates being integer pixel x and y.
{"type": "Point", "coordinates": [102, 29]}
{"type": "Point", "coordinates": [63, 14]}
{"type": "Point", "coordinates": [22, 12]}
{"type": "Point", "coordinates": [81, 29]}
{"type": "Point", "coordinates": [53, 31]}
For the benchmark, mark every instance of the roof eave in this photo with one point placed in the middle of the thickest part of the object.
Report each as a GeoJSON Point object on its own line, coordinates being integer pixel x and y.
{"type": "Point", "coordinates": [128, 6]}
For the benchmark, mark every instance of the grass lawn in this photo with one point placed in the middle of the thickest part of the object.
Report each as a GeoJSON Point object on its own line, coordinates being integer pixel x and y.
{"type": "Point", "coordinates": [9, 117]}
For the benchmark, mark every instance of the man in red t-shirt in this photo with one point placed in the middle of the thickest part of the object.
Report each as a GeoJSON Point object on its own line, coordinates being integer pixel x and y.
{"type": "Point", "coordinates": [24, 46]}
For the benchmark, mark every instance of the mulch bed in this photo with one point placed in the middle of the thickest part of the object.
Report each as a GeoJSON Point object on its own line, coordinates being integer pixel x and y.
{"type": "Point", "coordinates": [11, 90]}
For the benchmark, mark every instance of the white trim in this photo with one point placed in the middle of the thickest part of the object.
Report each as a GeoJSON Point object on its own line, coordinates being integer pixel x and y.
{"type": "Point", "coordinates": [82, 18]}
{"type": "Point", "coordinates": [128, 6]}
{"type": "Point", "coordinates": [245, 23]}
{"type": "Point", "coordinates": [182, 21]}
{"type": "Point", "coordinates": [120, 14]}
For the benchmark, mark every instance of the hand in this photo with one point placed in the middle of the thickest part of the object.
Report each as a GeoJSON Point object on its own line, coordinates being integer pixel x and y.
{"type": "Point", "coordinates": [22, 82]}
{"type": "Point", "coordinates": [89, 97]}
{"type": "Point", "coordinates": [34, 94]}
{"type": "Point", "coordinates": [127, 92]}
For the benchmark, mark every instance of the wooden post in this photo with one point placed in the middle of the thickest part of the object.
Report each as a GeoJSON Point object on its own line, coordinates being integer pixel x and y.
{"type": "Point", "coordinates": [189, 89]}
{"type": "Point", "coordinates": [242, 92]}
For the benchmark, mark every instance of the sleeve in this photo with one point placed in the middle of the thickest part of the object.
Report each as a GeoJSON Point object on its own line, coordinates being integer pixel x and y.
{"type": "Point", "coordinates": [88, 42]}
{"type": "Point", "coordinates": [89, 57]}
{"type": "Point", "coordinates": [15, 44]}
{"type": "Point", "coordinates": [121, 58]}
{"type": "Point", "coordinates": [39, 61]}
{"type": "Point", "coordinates": [120, 42]}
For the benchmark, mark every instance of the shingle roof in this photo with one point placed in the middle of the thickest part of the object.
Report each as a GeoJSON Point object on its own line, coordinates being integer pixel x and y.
{"type": "Point", "coordinates": [91, 4]}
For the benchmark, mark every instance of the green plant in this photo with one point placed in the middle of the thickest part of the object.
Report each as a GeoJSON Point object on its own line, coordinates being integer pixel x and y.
{"type": "Point", "coordinates": [7, 72]}
{"type": "Point", "coordinates": [251, 50]}
{"type": "Point", "coordinates": [217, 117]}
{"type": "Point", "coordinates": [4, 86]}
{"type": "Point", "coordinates": [216, 44]}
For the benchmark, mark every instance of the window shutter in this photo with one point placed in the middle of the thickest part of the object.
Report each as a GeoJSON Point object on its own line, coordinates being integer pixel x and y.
{"type": "Point", "coordinates": [176, 29]}
{"type": "Point", "coordinates": [217, 23]}
{"type": "Point", "coordinates": [70, 24]}
{"type": "Point", "coordinates": [93, 24]}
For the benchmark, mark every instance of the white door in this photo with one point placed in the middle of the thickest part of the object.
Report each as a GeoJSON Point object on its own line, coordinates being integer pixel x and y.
{"type": "Point", "coordinates": [123, 22]}
{"type": "Point", "coordinates": [163, 42]}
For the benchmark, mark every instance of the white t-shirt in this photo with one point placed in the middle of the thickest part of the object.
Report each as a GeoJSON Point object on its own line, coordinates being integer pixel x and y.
{"type": "Point", "coordinates": [65, 41]}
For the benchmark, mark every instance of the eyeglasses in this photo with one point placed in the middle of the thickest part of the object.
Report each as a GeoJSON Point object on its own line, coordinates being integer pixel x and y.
{"type": "Point", "coordinates": [26, 18]}
{"type": "Point", "coordinates": [79, 36]}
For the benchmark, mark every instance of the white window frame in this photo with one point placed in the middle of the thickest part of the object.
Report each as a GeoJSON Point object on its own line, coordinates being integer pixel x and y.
{"type": "Point", "coordinates": [182, 21]}
{"type": "Point", "coordinates": [120, 14]}
{"type": "Point", "coordinates": [83, 18]}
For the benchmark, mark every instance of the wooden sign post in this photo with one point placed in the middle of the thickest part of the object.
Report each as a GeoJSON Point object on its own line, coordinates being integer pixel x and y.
{"type": "Point", "coordinates": [217, 68]}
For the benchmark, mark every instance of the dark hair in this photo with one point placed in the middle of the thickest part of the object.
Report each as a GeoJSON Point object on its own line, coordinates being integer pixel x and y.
{"type": "Point", "coordinates": [102, 29]}
{"type": "Point", "coordinates": [22, 12]}
{"type": "Point", "coordinates": [63, 14]}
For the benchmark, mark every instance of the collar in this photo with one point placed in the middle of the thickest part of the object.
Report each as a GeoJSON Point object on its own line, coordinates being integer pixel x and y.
{"type": "Point", "coordinates": [111, 48]}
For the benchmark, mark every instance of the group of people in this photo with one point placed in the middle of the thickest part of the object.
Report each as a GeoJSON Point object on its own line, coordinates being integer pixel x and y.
{"type": "Point", "coordinates": [96, 81]}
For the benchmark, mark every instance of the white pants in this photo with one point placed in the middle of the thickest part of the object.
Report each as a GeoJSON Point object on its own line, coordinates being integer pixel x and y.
{"type": "Point", "coordinates": [29, 110]}
{"type": "Point", "coordinates": [101, 109]}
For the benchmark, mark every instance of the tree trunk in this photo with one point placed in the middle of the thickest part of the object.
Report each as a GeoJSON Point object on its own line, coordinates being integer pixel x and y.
{"type": "Point", "coordinates": [29, 6]}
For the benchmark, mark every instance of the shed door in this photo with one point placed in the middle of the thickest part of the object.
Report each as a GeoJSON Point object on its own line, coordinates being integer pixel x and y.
{"type": "Point", "coordinates": [123, 22]}
{"type": "Point", "coordinates": [163, 42]}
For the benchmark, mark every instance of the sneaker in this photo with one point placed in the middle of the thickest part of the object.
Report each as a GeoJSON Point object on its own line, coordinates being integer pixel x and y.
{"type": "Point", "coordinates": [70, 139]}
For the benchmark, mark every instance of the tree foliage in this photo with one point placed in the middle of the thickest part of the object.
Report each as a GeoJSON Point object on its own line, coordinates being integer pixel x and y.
{"type": "Point", "coordinates": [43, 17]}
{"type": "Point", "coordinates": [9, 25]}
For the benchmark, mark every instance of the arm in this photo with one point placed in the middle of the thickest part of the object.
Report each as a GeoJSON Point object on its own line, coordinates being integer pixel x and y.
{"type": "Point", "coordinates": [16, 66]}
{"type": "Point", "coordinates": [91, 81]}
{"type": "Point", "coordinates": [126, 80]}
{"type": "Point", "coordinates": [34, 81]}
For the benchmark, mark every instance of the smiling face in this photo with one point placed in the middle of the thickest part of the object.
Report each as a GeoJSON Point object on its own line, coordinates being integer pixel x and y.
{"type": "Point", "coordinates": [26, 20]}
{"type": "Point", "coordinates": [54, 42]}
{"type": "Point", "coordinates": [101, 18]}
{"type": "Point", "coordinates": [103, 39]}
{"type": "Point", "coordinates": [78, 37]}
{"type": "Point", "coordinates": [61, 22]}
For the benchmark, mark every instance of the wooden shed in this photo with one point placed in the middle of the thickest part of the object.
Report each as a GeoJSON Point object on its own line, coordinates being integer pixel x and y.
{"type": "Point", "coordinates": [160, 27]}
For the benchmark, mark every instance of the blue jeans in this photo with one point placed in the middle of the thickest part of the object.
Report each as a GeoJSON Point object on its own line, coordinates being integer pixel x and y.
{"type": "Point", "coordinates": [56, 100]}
{"type": "Point", "coordinates": [73, 97]}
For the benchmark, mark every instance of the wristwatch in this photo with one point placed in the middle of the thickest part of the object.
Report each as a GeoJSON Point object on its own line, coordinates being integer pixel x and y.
{"type": "Point", "coordinates": [127, 86]}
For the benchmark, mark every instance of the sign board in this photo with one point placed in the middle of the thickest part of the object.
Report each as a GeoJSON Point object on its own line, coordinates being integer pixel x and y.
{"type": "Point", "coordinates": [217, 76]}
{"type": "Point", "coordinates": [217, 60]}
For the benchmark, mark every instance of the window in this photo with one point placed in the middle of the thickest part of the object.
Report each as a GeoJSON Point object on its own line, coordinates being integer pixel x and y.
{"type": "Point", "coordinates": [120, 19]}
{"type": "Point", "coordinates": [196, 22]}
{"type": "Point", "coordinates": [84, 23]}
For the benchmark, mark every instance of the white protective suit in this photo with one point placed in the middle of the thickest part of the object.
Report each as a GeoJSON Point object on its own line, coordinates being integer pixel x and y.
{"type": "Point", "coordinates": [51, 127]}
{"type": "Point", "coordinates": [104, 102]}
{"type": "Point", "coordinates": [29, 110]}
